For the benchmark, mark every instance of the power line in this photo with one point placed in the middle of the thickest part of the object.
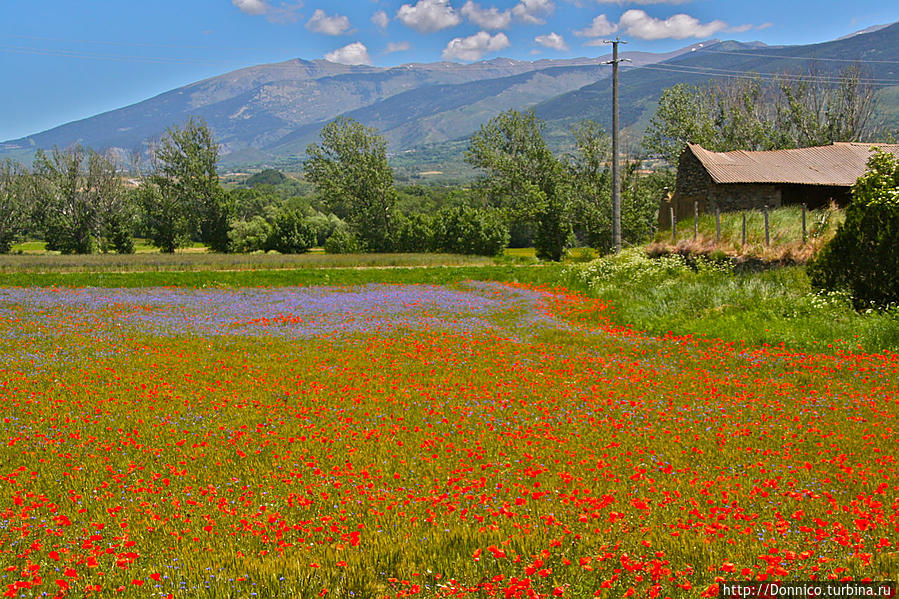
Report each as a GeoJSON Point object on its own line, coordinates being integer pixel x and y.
{"type": "Point", "coordinates": [809, 58]}
{"type": "Point", "coordinates": [712, 72]}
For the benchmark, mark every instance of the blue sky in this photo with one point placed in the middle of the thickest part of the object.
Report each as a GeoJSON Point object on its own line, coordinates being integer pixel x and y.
{"type": "Point", "coordinates": [62, 60]}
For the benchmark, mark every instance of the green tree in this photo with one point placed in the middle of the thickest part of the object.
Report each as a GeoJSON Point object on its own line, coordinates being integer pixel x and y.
{"type": "Point", "coordinates": [524, 177]}
{"type": "Point", "coordinates": [15, 204]}
{"type": "Point", "coordinates": [349, 170]}
{"type": "Point", "coordinates": [187, 181]}
{"type": "Point", "coordinates": [589, 169]}
{"type": "Point", "coordinates": [863, 257]}
{"type": "Point", "coordinates": [290, 233]}
{"type": "Point", "coordinates": [165, 222]}
{"type": "Point", "coordinates": [684, 115]}
{"type": "Point", "coordinates": [466, 230]}
{"type": "Point", "coordinates": [790, 111]}
{"type": "Point", "coordinates": [114, 205]}
{"type": "Point", "coordinates": [250, 235]}
{"type": "Point", "coordinates": [82, 201]}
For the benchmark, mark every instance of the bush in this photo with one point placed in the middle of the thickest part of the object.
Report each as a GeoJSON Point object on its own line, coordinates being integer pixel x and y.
{"type": "Point", "coordinates": [413, 233]}
{"type": "Point", "coordinates": [464, 230]}
{"type": "Point", "coordinates": [343, 242]}
{"type": "Point", "coordinates": [290, 233]}
{"type": "Point", "coordinates": [863, 256]}
{"type": "Point", "coordinates": [250, 236]}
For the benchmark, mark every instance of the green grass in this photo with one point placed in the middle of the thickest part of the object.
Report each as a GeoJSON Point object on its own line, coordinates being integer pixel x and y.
{"type": "Point", "coordinates": [785, 230]}
{"type": "Point", "coordinates": [770, 307]}
{"type": "Point", "coordinates": [535, 275]}
{"type": "Point", "coordinates": [200, 261]}
{"type": "Point", "coordinates": [141, 246]}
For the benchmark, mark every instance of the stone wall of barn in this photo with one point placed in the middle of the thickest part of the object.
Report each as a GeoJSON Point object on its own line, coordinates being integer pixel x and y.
{"type": "Point", "coordinates": [730, 197]}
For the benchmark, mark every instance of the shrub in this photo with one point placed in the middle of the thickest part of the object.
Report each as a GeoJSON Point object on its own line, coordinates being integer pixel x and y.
{"type": "Point", "coordinates": [464, 230]}
{"type": "Point", "coordinates": [290, 233]}
{"type": "Point", "coordinates": [342, 241]}
{"type": "Point", "coordinates": [250, 236]}
{"type": "Point", "coordinates": [413, 233]}
{"type": "Point", "coordinates": [863, 256]}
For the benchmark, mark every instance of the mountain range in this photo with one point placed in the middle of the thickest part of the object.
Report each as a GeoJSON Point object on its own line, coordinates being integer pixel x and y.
{"type": "Point", "coordinates": [268, 114]}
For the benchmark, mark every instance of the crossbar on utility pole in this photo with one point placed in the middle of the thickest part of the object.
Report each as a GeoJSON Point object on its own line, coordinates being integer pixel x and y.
{"type": "Point", "coordinates": [616, 176]}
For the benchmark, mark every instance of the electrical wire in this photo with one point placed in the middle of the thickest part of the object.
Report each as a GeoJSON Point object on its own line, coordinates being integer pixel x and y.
{"type": "Point", "coordinates": [753, 75]}
{"type": "Point", "coordinates": [809, 58]}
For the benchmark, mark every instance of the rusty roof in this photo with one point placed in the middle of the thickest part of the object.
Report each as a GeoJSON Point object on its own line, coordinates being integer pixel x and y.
{"type": "Point", "coordinates": [838, 164]}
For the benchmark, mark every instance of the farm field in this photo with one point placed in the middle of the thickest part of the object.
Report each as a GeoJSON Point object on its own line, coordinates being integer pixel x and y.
{"type": "Point", "coordinates": [392, 440]}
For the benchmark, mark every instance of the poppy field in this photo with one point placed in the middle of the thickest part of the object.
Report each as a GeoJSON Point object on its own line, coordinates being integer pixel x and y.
{"type": "Point", "coordinates": [478, 439]}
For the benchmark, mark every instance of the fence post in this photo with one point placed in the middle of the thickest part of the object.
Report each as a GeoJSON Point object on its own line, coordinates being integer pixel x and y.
{"type": "Point", "coordinates": [695, 220]}
{"type": "Point", "coordinates": [673, 226]}
{"type": "Point", "coordinates": [804, 234]}
{"type": "Point", "coordinates": [717, 224]}
{"type": "Point", "coordinates": [767, 230]}
{"type": "Point", "coordinates": [744, 227]}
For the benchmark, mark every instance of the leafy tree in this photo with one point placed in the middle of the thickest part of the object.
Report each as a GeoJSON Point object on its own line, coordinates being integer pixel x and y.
{"type": "Point", "coordinates": [114, 205]}
{"type": "Point", "coordinates": [250, 236]}
{"type": "Point", "coordinates": [524, 177]}
{"type": "Point", "coordinates": [863, 257]}
{"type": "Point", "coordinates": [67, 216]}
{"type": "Point", "coordinates": [590, 172]}
{"type": "Point", "coordinates": [186, 177]}
{"type": "Point", "coordinates": [342, 241]}
{"type": "Point", "coordinates": [166, 221]}
{"type": "Point", "coordinates": [790, 111]}
{"type": "Point", "coordinates": [249, 203]}
{"type": "Point", "coordinates": [685, 114]}
{"type": "Point", "coordinates": [81, 201]}
{"type": "Point", "coordinates": [290, 233]}
{"type": "Point", "coordinates": [413, 233]}
{"type": "Point", "coordinates": [15, 205]}
{"type": "Point", "coordinates": [349, 170]}
{"type": "Point", "coordinates": [466, 230]}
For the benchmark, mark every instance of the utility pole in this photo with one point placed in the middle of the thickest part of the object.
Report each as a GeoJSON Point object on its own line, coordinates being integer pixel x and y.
{"type": "Point", "coordinates": [616, 176]}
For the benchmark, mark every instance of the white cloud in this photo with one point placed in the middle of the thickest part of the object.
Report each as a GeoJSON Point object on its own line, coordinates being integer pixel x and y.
{"type": "Point", "coordinates": [552, 40]}
{"type": "Point", "coordinates": [283, 13]}
{"type": "Point", "coordinates": [251, 7]}
{"type": "Point", "coordinates": [428, 16]}
{"type": "Point", "coordinates": [475, 46]}
{"type": "Point", "coordinates": [380, 19]}
{"type": "Point", "coordinates": [355, 53]}
{"type": "Point", "coordinates": [322, 23]}
{"type": "Point", "coordinates": [397, 47]}
{"type": "Point", "coordinates": [637, 23]}
{"type": "Point", "coordinates": [599, 27]}
{"type": "Point", "coordinates": [486, 18]}
{"type": "Point", "coordinates": [526, 11]}
{"type": "Point", "coordinates": [532, 11]}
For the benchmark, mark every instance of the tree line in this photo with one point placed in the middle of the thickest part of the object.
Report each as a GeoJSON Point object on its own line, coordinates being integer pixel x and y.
{"type": "Point", "coordinates": [78, 202]}
{"type": "Point", "coordinates": [750, 113]}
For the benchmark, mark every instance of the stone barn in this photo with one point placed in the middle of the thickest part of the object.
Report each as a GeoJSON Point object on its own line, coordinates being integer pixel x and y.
{"type": "Point", "coordinates": [743, 180]}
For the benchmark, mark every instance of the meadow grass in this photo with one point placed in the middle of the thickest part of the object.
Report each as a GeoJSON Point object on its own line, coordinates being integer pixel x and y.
{"type": "Point", "coordinates": [548, 275]}
{"type": "Point", "coordinates": [785, 231]}
{"type": "Point", "coordinates": [775, 306]}
{"type": "Point", "coordinates": [203, 261]}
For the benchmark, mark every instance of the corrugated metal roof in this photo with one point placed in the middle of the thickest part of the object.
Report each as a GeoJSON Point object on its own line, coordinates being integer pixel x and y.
{"type": "Point", "coordinates": [838, 164]}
